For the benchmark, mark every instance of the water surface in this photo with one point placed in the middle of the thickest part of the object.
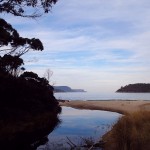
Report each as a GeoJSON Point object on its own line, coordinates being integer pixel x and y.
{"type": "Point", "coordinates": [77, 124]}
{"type": "Point", "coordinates": [102, 96]}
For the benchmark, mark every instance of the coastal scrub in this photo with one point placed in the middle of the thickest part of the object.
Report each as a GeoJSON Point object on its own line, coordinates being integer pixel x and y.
{"type": "Point", "coordinates": [131, 132]}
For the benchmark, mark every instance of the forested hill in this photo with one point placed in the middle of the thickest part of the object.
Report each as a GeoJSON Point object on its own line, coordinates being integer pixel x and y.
{"type": "Point", "coordinates": [66, 89]}
{"type": "Point", "coordinates": [135, 88]}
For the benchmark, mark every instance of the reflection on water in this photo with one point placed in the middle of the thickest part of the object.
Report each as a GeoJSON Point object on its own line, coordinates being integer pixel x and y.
{"type": "Point", "coordinates": [80, 123]}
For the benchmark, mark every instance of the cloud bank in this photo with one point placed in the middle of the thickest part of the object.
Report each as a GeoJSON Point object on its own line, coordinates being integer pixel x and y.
{"type": "Point", "coordinates": [96, 45]}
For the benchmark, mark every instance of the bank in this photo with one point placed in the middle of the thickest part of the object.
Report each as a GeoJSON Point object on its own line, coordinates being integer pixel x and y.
{"type": "Point", "coordinates": [132, 131]}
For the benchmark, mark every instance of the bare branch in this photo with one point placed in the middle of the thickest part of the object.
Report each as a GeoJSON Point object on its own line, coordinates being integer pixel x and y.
{"type": "Point", "coordinates": [71, 142]}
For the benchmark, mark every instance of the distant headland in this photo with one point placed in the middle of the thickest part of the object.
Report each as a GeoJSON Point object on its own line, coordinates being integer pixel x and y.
{"type": "Point", "coordinates": [135, 88]}
{"type": "Point", "coordinates": [66, 89]}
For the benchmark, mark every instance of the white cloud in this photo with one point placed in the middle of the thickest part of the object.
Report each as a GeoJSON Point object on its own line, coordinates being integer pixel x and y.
{"type": "Point", "coordinates": [96, 26]}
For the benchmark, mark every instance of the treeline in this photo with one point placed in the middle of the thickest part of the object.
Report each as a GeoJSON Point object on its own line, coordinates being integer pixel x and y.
{"type": "Point", "coordinates": [135, 88]}
{"type": "Point", "coordinates": [28, 92]}
{"type": "Point", "coordinates": [28, 108]}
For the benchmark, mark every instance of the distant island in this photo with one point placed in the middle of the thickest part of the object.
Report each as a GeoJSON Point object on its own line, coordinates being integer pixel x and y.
{"type": "Point", "coordinates": [66, 89]}
{"type": "Point", "coordinates": [135, 88]}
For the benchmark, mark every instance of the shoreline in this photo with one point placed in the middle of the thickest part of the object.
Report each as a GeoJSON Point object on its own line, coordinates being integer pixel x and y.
{"type": "Point", "coordinates": [119, 106]}
{"type": "Point", "coordinates": [134, 112]}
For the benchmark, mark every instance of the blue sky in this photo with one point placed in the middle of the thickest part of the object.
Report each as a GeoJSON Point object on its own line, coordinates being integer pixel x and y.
{"type": "Point", "coordinates": [96, 45]}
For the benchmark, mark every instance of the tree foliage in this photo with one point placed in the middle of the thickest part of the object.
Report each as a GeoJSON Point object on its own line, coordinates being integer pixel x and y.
{"type": "Point", "coordinates": [21, 7]}
{"type": "Point", "coordinates": [11, 65]}
{"type": "Point", "coordinates": [15, 44]}
{"type": "Point", "coordinates": [24, 96]}
{"type": "Point", "coordinates": [33, 77]}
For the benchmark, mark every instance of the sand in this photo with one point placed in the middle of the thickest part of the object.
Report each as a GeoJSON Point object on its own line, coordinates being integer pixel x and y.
{"type": "Point", "coordinates": [120, 106]}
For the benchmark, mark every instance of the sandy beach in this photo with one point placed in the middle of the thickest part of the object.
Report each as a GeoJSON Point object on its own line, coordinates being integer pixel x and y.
{"type": "Point", "coordinates": [120, 106]}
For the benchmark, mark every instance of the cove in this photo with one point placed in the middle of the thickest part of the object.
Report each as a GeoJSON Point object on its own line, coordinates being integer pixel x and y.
{"type": "Point", "coordinates": [77, 124]}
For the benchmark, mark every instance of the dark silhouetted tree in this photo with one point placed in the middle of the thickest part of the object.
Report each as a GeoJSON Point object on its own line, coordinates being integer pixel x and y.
{"type": "Point", "coordinates": [11, 65]}
{"type": "Point", "coordinates": [26, 100]}
{"type": "Point", "coordinates": [21, 7]}
{"type": "Point", "coordinates": [31, 76]}
{"type": "Point", "coordinates": [13, 44]}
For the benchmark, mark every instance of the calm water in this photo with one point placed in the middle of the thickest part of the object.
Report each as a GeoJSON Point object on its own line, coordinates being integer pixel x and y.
{"type": "Point", "coordinates": [77, 124]}
{"type": "Point", "coordinates": [102, 96]}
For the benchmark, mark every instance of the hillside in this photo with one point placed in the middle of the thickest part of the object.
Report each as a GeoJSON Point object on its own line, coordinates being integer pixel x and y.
{"type": "Point", "coordinates": [135, 88]}
{"type": "Point", "coordinates": [66, 89]}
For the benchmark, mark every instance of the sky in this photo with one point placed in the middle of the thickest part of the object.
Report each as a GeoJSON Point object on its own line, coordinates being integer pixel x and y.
{"type": "Point", "coordinates": [96, 45]}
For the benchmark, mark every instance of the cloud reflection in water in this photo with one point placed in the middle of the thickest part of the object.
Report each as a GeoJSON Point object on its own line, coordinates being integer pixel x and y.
{"type": "Point", "coordinates": [83, 123]}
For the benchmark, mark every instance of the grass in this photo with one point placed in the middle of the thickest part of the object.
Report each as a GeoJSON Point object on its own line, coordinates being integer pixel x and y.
{"type": "Point", "coordinates": [131, 132]}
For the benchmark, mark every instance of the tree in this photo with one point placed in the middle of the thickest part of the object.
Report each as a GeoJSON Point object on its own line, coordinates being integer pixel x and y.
{"type": "Point", "coordinates": [23, 98]}
{"type": "Point", "coordinates": [11, 65]}
{"type": "Point", "coordinates": [48, 73]}
{"type": "Point", "coordinates": [14, 44]}
{"type": "Point", "coordinates": [31, 76]}
{"type": "Point", "coordinates": [21, 7]}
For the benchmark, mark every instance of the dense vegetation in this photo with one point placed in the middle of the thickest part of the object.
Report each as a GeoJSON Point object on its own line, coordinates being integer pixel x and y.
{"type": "Point", "coordinates": [131, 132]}
{"type": "Point", "coordinates": [28, 109]}
{"type": "Point", "coordinates": [135, 88]}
